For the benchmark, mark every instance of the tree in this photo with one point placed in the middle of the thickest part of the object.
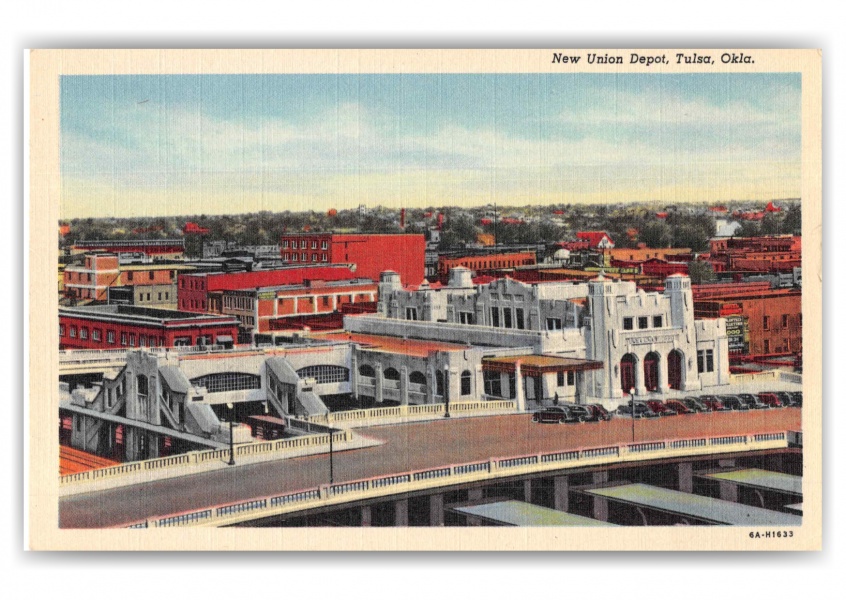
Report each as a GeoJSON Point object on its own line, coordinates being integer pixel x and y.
{"type": "Point", "coordinates": [692, 231]}
{"type": "Point", "coordinates": [459, 230]}
{"type": "Point", "coordinates": [656, 234]}
{"type": "Point", "coordinates": [793, 220]}
{"type": "Point", "coordinates": [701, 272]}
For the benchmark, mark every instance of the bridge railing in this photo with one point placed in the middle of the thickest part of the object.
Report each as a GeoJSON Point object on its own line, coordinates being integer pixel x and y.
{"type": "Point", "coordinates": [201, 457]}
{"type": "Point", "coordinates": [349, 491]}
{"type": "Point", "coordinates": [412, 410]}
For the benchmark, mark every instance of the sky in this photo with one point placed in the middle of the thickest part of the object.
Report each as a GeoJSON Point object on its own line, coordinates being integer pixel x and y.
{"type": "Point", "coordinates": [155, 145]}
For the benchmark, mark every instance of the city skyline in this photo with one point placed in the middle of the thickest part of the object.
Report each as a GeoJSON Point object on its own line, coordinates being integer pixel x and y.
{"type": "Point", "coordinates": [225, 144]}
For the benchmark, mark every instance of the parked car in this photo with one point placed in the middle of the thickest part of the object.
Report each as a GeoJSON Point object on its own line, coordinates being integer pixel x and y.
{"type": "Point", "coordinates": [733, 403]}
{"type": "Point", "coordinates": [785, 397]}
{"type": "Point", "coordinates": [695, 404]}
{"type": "Point", "coordinates": [580, 413]}
{"type": "Point", "coordinates": [752, 401]}
{"type": "Point", "coordinates": [679, 407]}
{"type": "Point", "coordinates": [599, 412]}
{"type": "Point", "coordinates": [771, 399]}
{"type": "Point", "coordinates": [660, 408]}
{"type": "Point", "coordinates": [795, 398]}
{"type": "Point", "coordinates": [714, 403]}
{"type": "Point", "coordinates": [552, 414]}
{"type": "Point", "coordinates": [642, 411]}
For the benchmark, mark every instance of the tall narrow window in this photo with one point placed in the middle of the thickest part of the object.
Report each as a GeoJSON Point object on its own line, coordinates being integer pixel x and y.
{"type": "Point", "coordinates": [466, 379]}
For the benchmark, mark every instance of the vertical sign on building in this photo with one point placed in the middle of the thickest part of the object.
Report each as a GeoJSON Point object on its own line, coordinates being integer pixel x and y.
{"type": "Point", "coordinates": [738, 334]}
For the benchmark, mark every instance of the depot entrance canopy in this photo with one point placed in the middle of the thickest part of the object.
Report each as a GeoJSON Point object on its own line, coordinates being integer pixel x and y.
{"type": "Point", "coordinates": [537, 364]}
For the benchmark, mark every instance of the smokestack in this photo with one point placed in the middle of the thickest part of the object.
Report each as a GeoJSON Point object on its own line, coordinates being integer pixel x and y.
{"type": "Point", "coordinates": [440, 221]}
{"type": "Point", "coordinates": [402, 219]}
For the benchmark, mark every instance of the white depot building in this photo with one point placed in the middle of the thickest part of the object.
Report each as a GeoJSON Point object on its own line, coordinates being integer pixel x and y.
{"type": "Point", "coordinates": [579, 342]}
{"type": "Point", "coordinates": [582, 342]}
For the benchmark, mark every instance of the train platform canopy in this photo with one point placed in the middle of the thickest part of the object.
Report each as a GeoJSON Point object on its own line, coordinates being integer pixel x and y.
{"type": "Point", "coordinates": [759, 478]}
{"type": "Point", "coordinates": [536, 364]}
{"type": "Point", "coordinates": [523, 514]}
{"type": "Point", "coordinates": [704, 508]}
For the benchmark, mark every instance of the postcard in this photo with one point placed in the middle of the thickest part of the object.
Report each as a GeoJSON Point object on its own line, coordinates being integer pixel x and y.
{"type": "Point", "coordinates": [552, 299]}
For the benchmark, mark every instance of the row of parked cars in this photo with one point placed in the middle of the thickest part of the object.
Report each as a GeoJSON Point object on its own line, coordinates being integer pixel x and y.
{"type": "Point", "coordinates": [580, 413]}
{"type": "Point", "coordinates": [572, 413]}
{"type": "Point", "coordinates": [709, 403]}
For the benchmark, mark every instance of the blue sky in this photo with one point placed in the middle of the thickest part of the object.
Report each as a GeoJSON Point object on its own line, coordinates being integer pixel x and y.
{"type": "Point", "coordinates": [217, 144]}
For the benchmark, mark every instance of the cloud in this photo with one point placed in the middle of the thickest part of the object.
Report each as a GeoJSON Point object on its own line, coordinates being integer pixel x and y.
{"type": "Point", "coordinates": [622, 144]}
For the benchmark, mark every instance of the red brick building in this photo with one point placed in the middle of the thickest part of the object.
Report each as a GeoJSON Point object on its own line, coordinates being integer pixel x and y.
{"type": "Point", "coordinates": [758, 254]}
{"type": "Point", "coordinates": [202, 292]}
{"type": "Point", "coordinates": [90, 281]}
{"type": "Point", "coordinates": [371, 253]}
{"type": "Point", "coordinates": [162, 249]}
{"type": "Point", "coordinates": [485, 262]}
{"type": "Point", "coordinates": [267, 309]}
{"type": "Point", "coordinates": [773, 317]}
{"type": "Point", "coordinates": [114, 327]}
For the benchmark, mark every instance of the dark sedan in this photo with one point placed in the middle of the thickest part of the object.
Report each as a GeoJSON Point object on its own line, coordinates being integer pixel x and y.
{"type": "Point", "coordinates": [752, 401]}
{"type": "Point", "coordinates": [552, 414]}
{"type": "Point", "coordinates": [641, 411]}
{"type": "Point", "coordinates": [679, 407]}
{"type": "Point", "coordinates": [733, 403]}
{"type": "Point", "coordinates": [588, 412]}
{"type": "Point", "coordinates": [695, 404]}
{"type": "Point", "coordinates": [787, 398]}
{"type": "Point", "coordinates": [662, 409]}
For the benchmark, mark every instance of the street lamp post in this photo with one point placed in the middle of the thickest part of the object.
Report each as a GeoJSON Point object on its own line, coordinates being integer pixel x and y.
{"type": "Point", "coordinates": [331, 457]}
{"type": "Point", "coordinates": [632, 393]}
{"type": "Point", "coordinates": [231, 436]}
{"type": "Point", "coordinates": [446, 396]}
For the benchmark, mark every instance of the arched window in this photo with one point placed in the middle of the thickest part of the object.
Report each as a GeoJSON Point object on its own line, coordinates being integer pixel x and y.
{"type": "Point", "coordinates": [650, 371]}
{"type": "Point", "coordinates": [366, 371]}
{"type": "Point", "coordinates": [417, 377]}
{"type": "Point", "coordinates": [675, 362]}
{"type": "Point", "coordinates": [392, 374]}
{"type": "Point", "coordinates": [627, 373]}
{"type": "Point", "coordinates": [466, 379]}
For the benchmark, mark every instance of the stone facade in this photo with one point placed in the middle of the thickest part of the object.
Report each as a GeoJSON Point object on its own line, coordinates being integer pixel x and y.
{"type": "Point", "coordinates": [647, 341]}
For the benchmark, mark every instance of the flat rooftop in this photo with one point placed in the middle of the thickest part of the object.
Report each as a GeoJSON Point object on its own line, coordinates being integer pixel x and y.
{"type": "Point", "coordinates": [128, 310]}
{"type": "Point", "coordinates": [691, 505]}
{"type": "Point", "coordinates": [523, 514]}
{"type": "Point", "coordinates": [394, 345]}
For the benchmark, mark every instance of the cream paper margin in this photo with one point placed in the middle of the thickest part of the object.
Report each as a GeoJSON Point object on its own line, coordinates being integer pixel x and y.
{"type": "Point", "coordinates": [44, 188]}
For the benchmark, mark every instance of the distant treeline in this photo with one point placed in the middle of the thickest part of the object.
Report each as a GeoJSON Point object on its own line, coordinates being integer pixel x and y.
{"type": "Point", "coordinates": [680, 226]}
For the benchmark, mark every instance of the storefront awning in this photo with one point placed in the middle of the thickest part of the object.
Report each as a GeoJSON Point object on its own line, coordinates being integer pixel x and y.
{"type": "Point", "coordinates": [537, 364]}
